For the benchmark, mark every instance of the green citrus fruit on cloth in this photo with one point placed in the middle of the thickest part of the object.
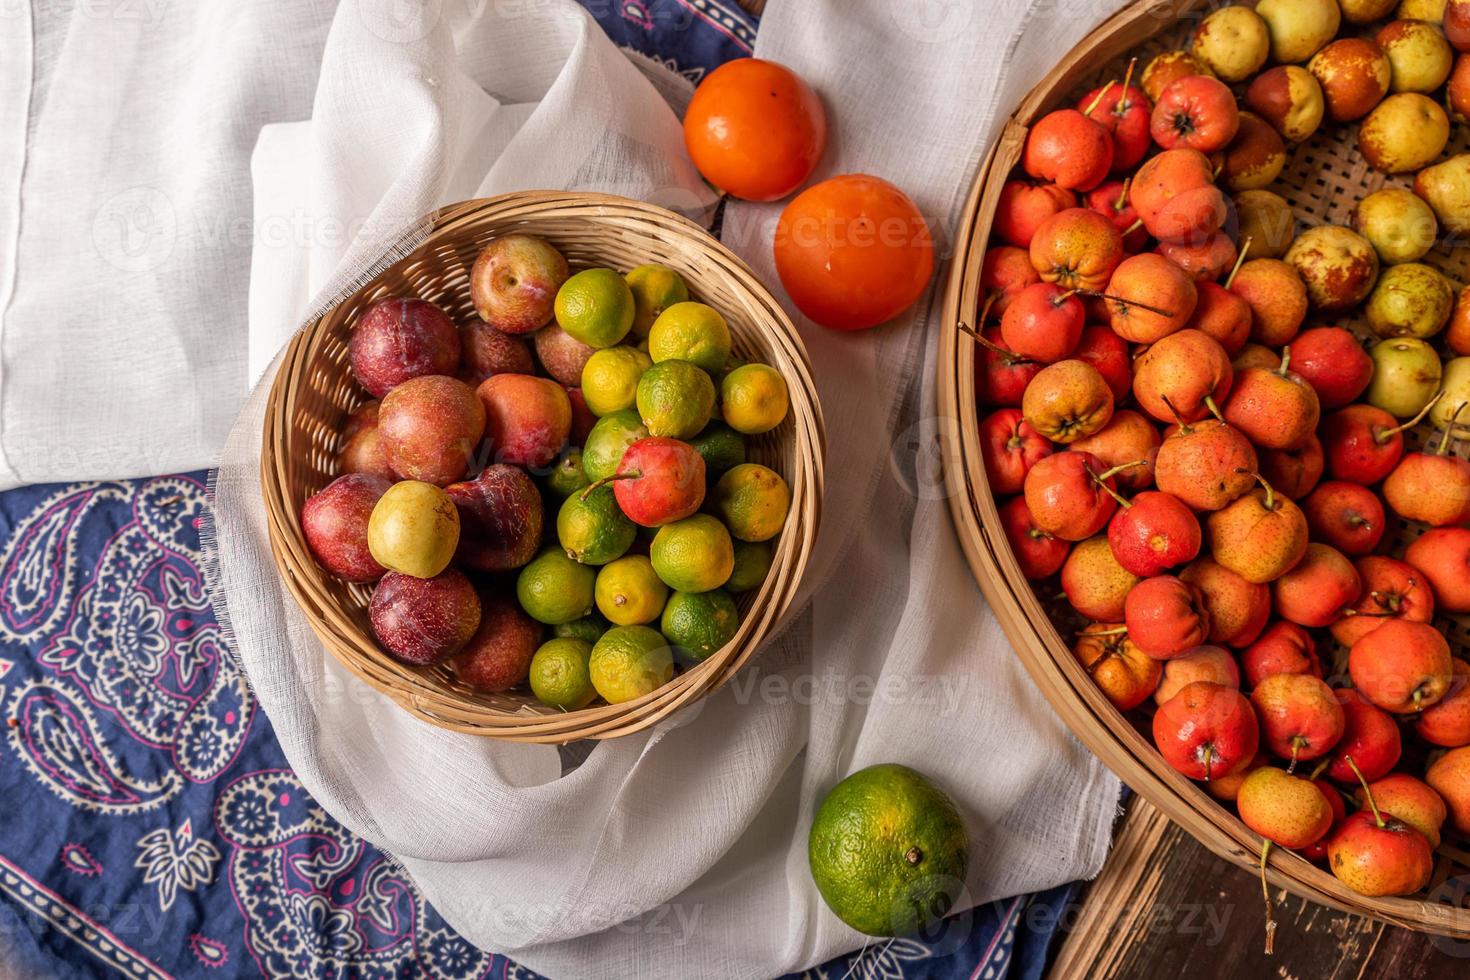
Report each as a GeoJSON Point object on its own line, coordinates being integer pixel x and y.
{"type": "Point", "coordinates": [591, 529]}
{"type": "Point", "coordinates": [567, 476]}
{"type": "Point", "coordinates": [587, 628]}
{"type": "Point", "coordinates": [721, 446]}
{"type": "Point", "coordinates": [693, 555]}
{"type": "Point", "coordinates": [753, 398]}
{"type": "Point", "coordinates": [753, 500]}
{"type": "Point", "coordinates": [610, 379]}
{"type": "Point", "coordinates": [700, 622]}
{"type": "Point", "coordinates": [554, 589]}
{"type": "Point", "coordinates": [888, 851]}
{"type": "Point", "coordinates": [629, 662]}
{"type": "Point", "coordinates": [560, 675]}
{"type": "Point", "coordinates": [690, 332]}
{"type": "Point", "coordinates": [413, 529]}
{"type": "Point", "coordinates": [629, 592]}
{"type": "Point", "coordinates": [675, 399]}
{"type": "Point", "coordinates": [609, 439]}
{"type": "Point", "coordinates": [655, 289]}
{"type": "Point", "coordinates": [752, 565]}
{"type": "Point", "coordinates": [596, 307]}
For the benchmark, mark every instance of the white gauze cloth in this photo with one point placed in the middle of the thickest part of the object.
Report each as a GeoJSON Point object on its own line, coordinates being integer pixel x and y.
{"type": "Point", "coordinates": [680, 851]}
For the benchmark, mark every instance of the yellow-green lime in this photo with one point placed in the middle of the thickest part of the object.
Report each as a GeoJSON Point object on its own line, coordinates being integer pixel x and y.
{"type": "Point", "coordinates": [609, 439]}
{"type": "Point", "coordinates": [655, 288]}
{"type": "Point", "coordinates": [693, 555]}
{"type": "Point", "coordinates": [753, 398]}
{"type": "Point", "coordinates": [700, 622]}
{"type": "Point", "coordinates": [587, 628]}
{"type": "Point", "coordinates": [567, 476]}
{"type": "Point", "coordinates": [752, 499]}
{"type": "Point", "coordinates": [629, 592]}
{"type": "Point", "coordinates": [752, 564]}
{"type": "Point", "coordinates": [629, 662]}
{"type": "Point", "coordinates": [596, 307]}
{"type": "Point", "coordinates": [888, 851]}
{"type": "Point", "coordinates": [690, 332]}
{"type": "Point", "coordinates": [610, 379]}
{"type": "Point", "coordinates": [722, 448]}
{"type": "Point", "coordinates": [675, 399]}
{"type": "Point", "coordinates": [591, 528]}
{"type": "Point", "coordinates": [554, 589]}
{"type": "Point", "coordinates": [560, 676]}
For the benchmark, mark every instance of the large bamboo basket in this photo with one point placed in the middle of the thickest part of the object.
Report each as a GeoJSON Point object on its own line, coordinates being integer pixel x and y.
{"type": "Point", "coordinates": [314, 391]}
{"type": "Point", "coordinates": [1324, 178]}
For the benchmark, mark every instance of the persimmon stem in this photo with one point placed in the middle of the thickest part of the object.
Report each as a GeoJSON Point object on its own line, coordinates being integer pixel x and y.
{"type": "Point", "coordinates": [1245, 247]}
{"type": "Point", "coordinates": [1368, 793]}
{"type": "Point", "coordinates": [1266, 894]}
{"type": "Point", "coordinates": [630, 475]}
{"type": "Point", "coordinates": [1098, 98]}
{"type": "Point", "coordinates": [1381, 437]}
{"type": "Point", "coordinates": [1127, 302]}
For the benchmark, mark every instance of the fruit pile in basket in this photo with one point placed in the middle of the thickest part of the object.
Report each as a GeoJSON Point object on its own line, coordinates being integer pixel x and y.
{"type": "Point", "coordinates": [1188, 443]}
{"type": "Point", "coordinates": [611, 501]}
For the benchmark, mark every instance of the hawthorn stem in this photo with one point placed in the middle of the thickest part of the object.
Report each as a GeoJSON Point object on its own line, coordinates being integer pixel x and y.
{"type": "Point", "coordinates": [1245, 246]}
{"type": "Point", "coordinates": [1270, 493]}
{"type": "Point", "coordinates": [1183, 425]}
{"type": "Point", "coordinates": [630, 475]}
{"type": "Point", "coordinates": [1377, 817]}
{"type": "Point", "coordinates": [1128, 80]}
{"type": "Point", "coordinates": [1449, 430]}
{"type": "Point", "coordinates": [1127, 302]}
{"type": "Point", "coordinates": [1214, 409]}
{"type": "Point", "coordinates": [1133, 227]}
{"type": "Point", "coordinates": [1285, 360]}
{"type": "Point", "coordinates": [1098, 98]}
{"type": "Point", "coordinates": [1381, 436]}
{"type": "Point", "coordinates": [1121, 467]}
{"type": "Point", "coordinates": [1266, 894]}
{"type": "Point", "coordinates": [1123, 196]}
{"type": "Point", "coordinates": [1115, 631]}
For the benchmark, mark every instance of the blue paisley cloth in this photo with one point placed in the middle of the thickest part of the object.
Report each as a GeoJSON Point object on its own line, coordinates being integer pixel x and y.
{"type": "Point", "coordinates": [151, 826]}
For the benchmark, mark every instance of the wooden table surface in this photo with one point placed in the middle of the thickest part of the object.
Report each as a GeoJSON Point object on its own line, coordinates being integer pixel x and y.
{"type": "Point", "coordinates": [1165, 907]}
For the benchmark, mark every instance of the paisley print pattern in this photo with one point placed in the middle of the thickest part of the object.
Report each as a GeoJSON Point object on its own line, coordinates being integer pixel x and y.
{"type": "Point", "coordinates": [160, 832]}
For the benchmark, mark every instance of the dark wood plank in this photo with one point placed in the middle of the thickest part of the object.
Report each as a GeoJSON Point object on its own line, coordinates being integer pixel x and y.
{"type": "Point", "coordinates": [1164, 906]}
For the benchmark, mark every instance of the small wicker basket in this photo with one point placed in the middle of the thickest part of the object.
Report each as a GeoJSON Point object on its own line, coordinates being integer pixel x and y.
{"type": "Point", "coordinates": [1324, 178]}
{"type": "Point", "coordinates": [314, 391]}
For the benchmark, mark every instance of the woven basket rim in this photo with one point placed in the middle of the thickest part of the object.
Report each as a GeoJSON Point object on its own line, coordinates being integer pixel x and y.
{"type": "Point", "coordinates": [1037, 641]}
{"type": "Point", "coordinates": [415, 691]}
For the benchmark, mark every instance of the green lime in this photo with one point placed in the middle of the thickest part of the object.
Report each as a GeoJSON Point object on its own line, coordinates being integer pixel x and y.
{"type": "Point", "coordinates": [555, 589]}
{"type": "Point", "coordinates": [752, 564]}
{"type": "Point", "coordinates": [559, 674]}
{"type": "Point", "coordinates": [690, 332]}
{"type": "Point", "coordinates": [596, 307]}
{"type": "Point", "coordinates": [655, 288]}
{"type": "Point", "coordinates": [587, 628]}
{"type": "Point", "coordinates": [609, 439]}
{"type": "Point", "coordinates": [610, 379]}
{"type": "Point", "coordinates": [629, 591]}
{"type": "Point", "coordinates": [693, 555]}
{"type": "Point", "coordinates": [700, 622]}
{"type": "Point", "coordinates": [752, 499]}
{"type": "Point", "coordinates": [722, 448]}
{"type": "Point", "coordinates": [567, 476]}
{"type": "Point", "coordinates": [592, 529]}
{"type": "Point", "coordinates": [888, 851]}
{"type": "Point", "coordinates": [629, 662]}
{"type": "Point", "coordinates": [675, 399]}
{"type": "Point", "coordinates": [753, 398]}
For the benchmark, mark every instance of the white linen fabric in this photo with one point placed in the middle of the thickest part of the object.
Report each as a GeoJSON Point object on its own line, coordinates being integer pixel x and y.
{"type": "Point", "coordinates": [675, 852]}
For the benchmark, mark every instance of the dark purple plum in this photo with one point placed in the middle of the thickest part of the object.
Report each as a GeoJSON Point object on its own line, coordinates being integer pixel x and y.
{"type": "Point", "coordinates": [400, 339]}
{"type": "Point", "coordinates": [498, 656]}
{"type": "Point", "coordinates": [335, 523]}
{"type": "Point", "coordinates": [422, 621]}
{"type": "Point", "coordinates": [500, 519]}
